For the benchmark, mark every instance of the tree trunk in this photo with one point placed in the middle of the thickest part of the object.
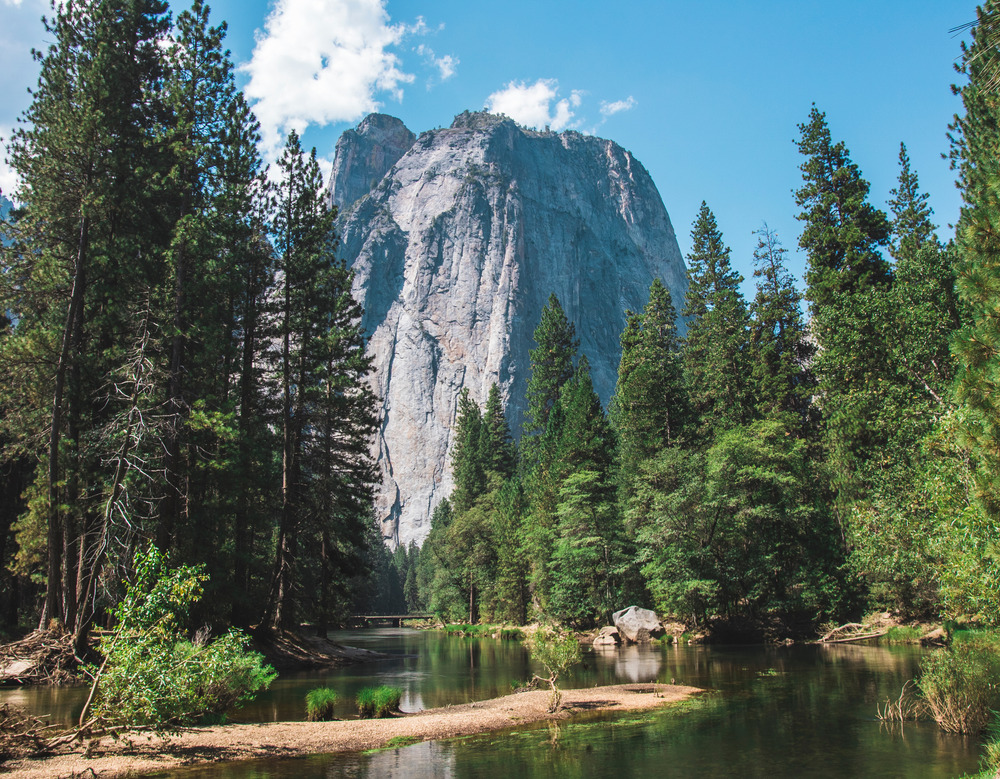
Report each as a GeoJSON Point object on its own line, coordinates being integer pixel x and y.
{"type": "Point", "coordinates": [54, 534]}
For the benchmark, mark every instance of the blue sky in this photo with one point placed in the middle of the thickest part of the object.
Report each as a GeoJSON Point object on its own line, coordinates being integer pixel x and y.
{"type": "Point", "coordinates": [706, 95]}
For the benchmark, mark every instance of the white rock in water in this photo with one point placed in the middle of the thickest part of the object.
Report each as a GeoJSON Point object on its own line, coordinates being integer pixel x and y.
{"type": "Point", "coordinates": [456, 249]}
{"type": "Point", "coordinates": [638, 625]}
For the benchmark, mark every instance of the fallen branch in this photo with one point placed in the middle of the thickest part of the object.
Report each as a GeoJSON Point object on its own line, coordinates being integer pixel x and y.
{"type": "Point", "coordinates": [858, 637]}
{"type": "Point", "coordinates": [848, 626]}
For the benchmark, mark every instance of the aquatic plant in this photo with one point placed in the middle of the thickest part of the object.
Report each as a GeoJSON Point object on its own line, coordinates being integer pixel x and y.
{"type": "Point", "coordinates": [959, 684]}
{"type": "Point", "coordinates": [319, 704]}
{"type": "Point", "coordinates": [379, 701]}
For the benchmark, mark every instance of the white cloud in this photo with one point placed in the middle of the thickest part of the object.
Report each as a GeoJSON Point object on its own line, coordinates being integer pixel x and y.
{"type": "Point", "coordinates": [14, 3]}
{"type": "Point", "coordinates": [610, 109]}
{"type": "Point", "coordinates": [8, 179]}
{"type": "Point", "coordinates": [536, 105]}
{"type": "Point", "coordinates": [323, 62]}
{"type": "Point", "coordinates": [446, 65]}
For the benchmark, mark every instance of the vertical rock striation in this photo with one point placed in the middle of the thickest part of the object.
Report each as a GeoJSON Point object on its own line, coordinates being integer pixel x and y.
{"type": "Point", "coordinates": [457, 238]}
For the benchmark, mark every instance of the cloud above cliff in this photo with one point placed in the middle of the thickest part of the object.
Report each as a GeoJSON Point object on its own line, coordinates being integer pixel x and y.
{"type": "Point", "coordinates": [617, 106]}
{"type": "Point", "coordinates": [321, 63]}
{"type": "Point", "coordinates": [536, 105]}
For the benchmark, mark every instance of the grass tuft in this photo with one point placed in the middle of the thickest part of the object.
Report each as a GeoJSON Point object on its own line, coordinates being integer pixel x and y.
{"type": "Point", "coordinates": [319, 704]}
{"type": "Point", "coordinates": [902, 634]}
{"type": "Point", "coordinates": [377, 702]}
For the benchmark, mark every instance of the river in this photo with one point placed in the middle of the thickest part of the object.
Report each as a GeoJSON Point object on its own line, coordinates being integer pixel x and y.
{"type": "Point", "coordinates": [774, 712]}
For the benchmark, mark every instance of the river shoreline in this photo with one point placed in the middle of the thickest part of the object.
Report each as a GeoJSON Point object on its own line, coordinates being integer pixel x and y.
{"type": "Point", "coordinates": [145, 754]}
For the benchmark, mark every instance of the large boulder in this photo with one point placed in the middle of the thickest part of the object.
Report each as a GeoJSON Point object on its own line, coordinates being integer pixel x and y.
{"type": "Point", "coordinates": [638, 625]}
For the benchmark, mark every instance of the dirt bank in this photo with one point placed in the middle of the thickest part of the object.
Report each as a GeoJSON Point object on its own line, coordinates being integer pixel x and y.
{"type": "Point", "coordinates": [144, 754]}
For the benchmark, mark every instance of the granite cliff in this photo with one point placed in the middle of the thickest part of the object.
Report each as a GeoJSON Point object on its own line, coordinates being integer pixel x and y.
{"type": "Point", "coordinates": [457, 237]}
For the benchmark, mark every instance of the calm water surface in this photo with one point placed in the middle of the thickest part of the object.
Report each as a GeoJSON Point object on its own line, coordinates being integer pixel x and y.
{"type": "Point", "coordinates": [773, 712]}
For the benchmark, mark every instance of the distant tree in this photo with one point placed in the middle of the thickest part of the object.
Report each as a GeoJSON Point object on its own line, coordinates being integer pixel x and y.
{"type": "Point", "coordinates": [649, 408]}
{"type": "Point", "coordinates": [499, 449]}
{"type": "Point", "coordinates": [587, 558]}
{"type": "Point", "coordinates": [848, 282]}
{"type": "Point", "coordinates": [716, 363]}
{"type": "Point", "coordinates": [780, 348]}
{"type": "Point", "coordinates": [551, 365]}
{"type": "Point", "coordinates": [467, 457]}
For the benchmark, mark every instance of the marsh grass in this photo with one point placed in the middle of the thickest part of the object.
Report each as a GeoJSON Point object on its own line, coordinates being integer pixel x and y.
{"type": "Point", "coordinates": [959, 684]}
{"type": "Point", "coordinates": [902, 634]}
{"type": "Point", "coordinates": [377, 702]}
{"type": "Point", "coordinates": [320, 703]}
{"type": "Point", "coordinates": [906, 708]}
{"type": "Point", "coordinates": [484, 631]}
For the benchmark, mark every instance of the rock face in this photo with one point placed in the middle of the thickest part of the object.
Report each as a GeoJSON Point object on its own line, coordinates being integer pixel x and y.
{"type": "Point", "coordinates": [638, 625]}
{"type": "Point", "coordinates": [364, 156]}
{"type": "Point", "coordinates": [457, 238]}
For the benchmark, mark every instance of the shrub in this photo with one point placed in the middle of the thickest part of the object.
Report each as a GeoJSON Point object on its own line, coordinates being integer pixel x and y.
{"type": "Point", "coordinates": [319, 704]}
{"type": "Point", "coordinates": [153, 676]}
{"type": "Point", "coordinates": [379, 701]}
{"type": "Point", "coordinates": [959, 684]}
{"type": "Point", "coordinates": [556, 652]}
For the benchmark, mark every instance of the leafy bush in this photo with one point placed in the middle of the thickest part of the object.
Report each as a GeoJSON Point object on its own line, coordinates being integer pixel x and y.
{"type": "Point", "coordinates": [319, 704]}
{"type": "Point", "coordinates": [379, 701]}
{"type": "Point", "coordinates": [959, 685]}
{"type": "Point", "coordinates": [153, 676]}
{"type": "Point", "coordinates": [556, 652]}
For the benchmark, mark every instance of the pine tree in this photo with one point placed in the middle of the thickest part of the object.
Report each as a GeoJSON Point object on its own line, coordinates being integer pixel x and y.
{"type": "Point", "coordinates": [779, 346]}
{"type": "Point", "coordinates": [649, 408]}
{"type": "Point", "coordinates": [467, 456]}
{"type": "Point", "coordinates": [975, 154]}
{"type": "Point", "coordinates": [84, 248]}
{"type": "Point", "coordinates": [551, 365]}
{"type": "Point", "coordinates": [715, 350]}
{"type": "Point", "coordinates": [924, 300]}
{"type": "Point", "coordinates": [848, 289]}
{"type": "Point", "coordinates": [327, 413]}
{"type": "Point", "coordinates": [499, 449]}
{"type": "Point", "coordinates": [586, 563]}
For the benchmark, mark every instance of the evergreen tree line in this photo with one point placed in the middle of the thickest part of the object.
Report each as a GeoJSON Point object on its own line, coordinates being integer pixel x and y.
{"type": "Point", "coordinates": [182, 357]}
{"type": "Point", "coordinates": [764, 470]}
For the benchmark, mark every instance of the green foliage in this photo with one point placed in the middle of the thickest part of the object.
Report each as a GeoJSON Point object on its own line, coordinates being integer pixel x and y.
{"type": "Point", "coordinates": [735, 530]}
{"type": "Point", "coordinates": [902, 634]}
{"type": "Point", "coordinates": [649, 409]}
{"type": "Point", "coordinates": [779, 347]}
{"type": "Point", "coordinates": [320, 704]}
{"type": "Point", "coordinates": [378, 702]}
{"type": "Point", "coordinates": [551, 365]}
{"type": "Point", "coordinates": [153, 676]}
{"type": "Point", "coordinates": [716, 360]}
{"type": "Point", "coordinates": [848, 290]}
{"type": "Point", "coordinates": [556, 652]}
{"type": "Point", "coordinates": [959, 684]}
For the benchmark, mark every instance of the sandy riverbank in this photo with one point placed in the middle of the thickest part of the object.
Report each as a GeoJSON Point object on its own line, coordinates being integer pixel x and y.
{"type": "Point", "coordinates": [144, 754]}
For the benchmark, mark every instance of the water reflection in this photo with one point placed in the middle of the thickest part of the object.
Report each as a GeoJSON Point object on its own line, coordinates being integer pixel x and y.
{"type": "Point", "coordinates": [630, 663]}
{"type": "Point", "coordinates": [776, 712]}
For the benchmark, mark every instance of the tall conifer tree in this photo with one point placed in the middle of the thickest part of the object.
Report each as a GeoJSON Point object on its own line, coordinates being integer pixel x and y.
{"type": "Point", "coordinates": [848, 286]}
{"type": "Point", "coordinates": [715, 349]}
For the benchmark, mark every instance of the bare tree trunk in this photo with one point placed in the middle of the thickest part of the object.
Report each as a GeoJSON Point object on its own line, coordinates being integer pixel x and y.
{"type": "Point", "coordinates": [54, 536]}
